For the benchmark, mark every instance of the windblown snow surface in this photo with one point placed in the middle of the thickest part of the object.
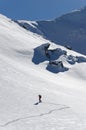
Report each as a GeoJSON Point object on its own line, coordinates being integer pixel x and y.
{"type": "Point", "coordinates": [22, 79]}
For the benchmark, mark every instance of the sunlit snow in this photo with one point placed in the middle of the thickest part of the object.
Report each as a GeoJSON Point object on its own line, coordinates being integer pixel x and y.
{"type": "Point", "coordinates": [63, 104]}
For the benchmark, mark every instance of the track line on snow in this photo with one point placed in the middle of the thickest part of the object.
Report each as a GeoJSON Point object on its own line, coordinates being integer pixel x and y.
{"type": "Point", "coordinates": [28, 117]}
{"type": "Point", "coordinates": [53, 104]}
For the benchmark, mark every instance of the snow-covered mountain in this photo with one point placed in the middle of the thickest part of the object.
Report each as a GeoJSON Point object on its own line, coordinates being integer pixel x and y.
{"type": "Point", "coordinates": [69, 29]}
{"type": "Point", "coordinates": [31, 65]}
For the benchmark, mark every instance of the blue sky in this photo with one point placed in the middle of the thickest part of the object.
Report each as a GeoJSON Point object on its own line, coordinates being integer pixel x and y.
{"type": "Point", "coordinates": [38, 9]}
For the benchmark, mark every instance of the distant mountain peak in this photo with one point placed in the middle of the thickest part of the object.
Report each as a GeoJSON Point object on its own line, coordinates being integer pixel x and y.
{"type": "Point", "coordinates": [66, 30]}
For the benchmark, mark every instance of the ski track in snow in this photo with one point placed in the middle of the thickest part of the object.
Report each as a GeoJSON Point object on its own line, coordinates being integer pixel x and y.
{"type": "Point", "coordinates": [33, 116]}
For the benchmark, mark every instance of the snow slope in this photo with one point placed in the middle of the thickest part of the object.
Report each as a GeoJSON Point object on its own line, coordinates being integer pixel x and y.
{"type": "Point", "coordinates": [63, 104]}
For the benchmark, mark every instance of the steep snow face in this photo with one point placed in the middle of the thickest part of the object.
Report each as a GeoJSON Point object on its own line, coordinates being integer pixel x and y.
{"type": "Point", "coordinates": [69, 29]}
{"type": "Point", "coordinates": [23, 77]}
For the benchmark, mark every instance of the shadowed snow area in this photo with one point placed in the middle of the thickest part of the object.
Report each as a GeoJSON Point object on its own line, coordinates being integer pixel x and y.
{"type": "Point", "coordinates": [29, 66]}
{"type": "Point", "coordinates": [55, 57]}
{"type": "Point", "coordinates": [67, 30]}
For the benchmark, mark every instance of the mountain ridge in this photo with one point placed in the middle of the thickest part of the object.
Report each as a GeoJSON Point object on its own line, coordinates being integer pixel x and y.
{"type": "Point", "coordinates": [68, 29]}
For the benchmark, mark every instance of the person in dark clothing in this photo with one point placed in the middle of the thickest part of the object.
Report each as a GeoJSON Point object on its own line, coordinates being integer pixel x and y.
{"type": "Point", "coordinates": [40, 98]}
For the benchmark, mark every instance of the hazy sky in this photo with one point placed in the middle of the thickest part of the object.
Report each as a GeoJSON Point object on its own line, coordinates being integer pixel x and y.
{"type": "Point", "coordinates": [38, 9]}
